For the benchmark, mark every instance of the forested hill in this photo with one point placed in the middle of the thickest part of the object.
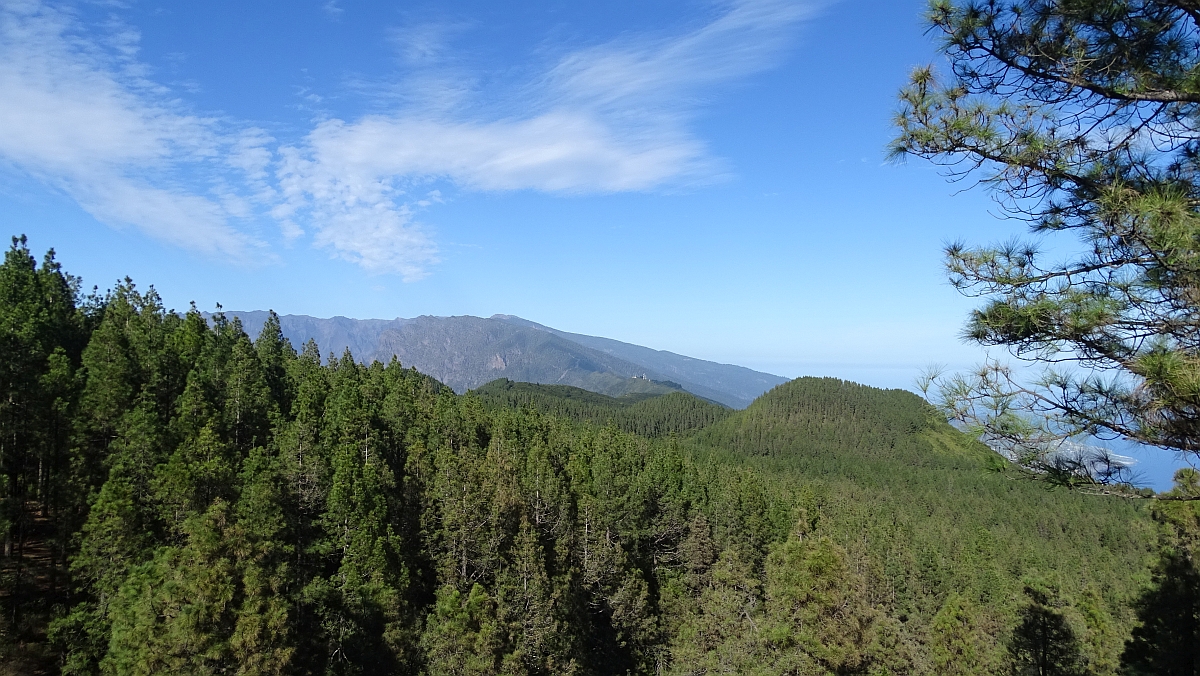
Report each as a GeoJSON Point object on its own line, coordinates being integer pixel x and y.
{"type": "Point", "coordinates": [466, 352]}
{"type": "Point", "coordinates": [811, 419]}
{"type": "Point", "coordinates": [946, 541]}
{"type": "Point", "coordinates": [181, 497]}
{"type": "Point", "coordinates": [647, 414]}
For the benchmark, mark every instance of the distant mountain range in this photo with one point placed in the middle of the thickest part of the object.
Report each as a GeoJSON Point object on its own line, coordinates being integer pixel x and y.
{"type": "Point", "coordinates": [467, 352]}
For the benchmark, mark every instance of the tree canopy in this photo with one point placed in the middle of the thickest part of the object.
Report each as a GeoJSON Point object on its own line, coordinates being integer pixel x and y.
{"type": "Point", "coordinates": [1082, 117]}
{"type": "Point", "coordinates": [183, 498]}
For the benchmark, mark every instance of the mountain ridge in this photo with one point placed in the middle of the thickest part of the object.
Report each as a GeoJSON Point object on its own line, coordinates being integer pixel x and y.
{"type": "Point", "coordinates": [744, 383]}
{"type": "Point", "coordinates": [466, 352]}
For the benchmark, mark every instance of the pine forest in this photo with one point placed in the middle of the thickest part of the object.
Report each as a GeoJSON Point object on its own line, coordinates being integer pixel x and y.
{"type": "Point", "coordinates": [180, 497]}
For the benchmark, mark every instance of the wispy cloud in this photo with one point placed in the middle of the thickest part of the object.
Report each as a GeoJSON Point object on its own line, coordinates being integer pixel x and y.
{"type": "Point", "coordinates": [659, 79]}
{"type": "Point", "coordinates": [609, 118]}
{"type": "Point", "coordinates": [80, 115]}
{"type": "Point", "coordinates": [332, 8]}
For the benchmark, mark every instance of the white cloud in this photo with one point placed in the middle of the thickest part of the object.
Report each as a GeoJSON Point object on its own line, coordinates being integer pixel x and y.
{"type": "Point", "coordinates": [609, 118]}
{"type": "Point", "coordinates": [657, 79]}
{"type": "Point", "coordinates": [81, 113]}
{"type": "Point", "coordinates": [559, 151]}
{"type": "Point", "coordinates": [358, 216]}
{"type": "Point", "coordinates": [83, 119]}
{"type": "Point", "coordinates": [332, 8]}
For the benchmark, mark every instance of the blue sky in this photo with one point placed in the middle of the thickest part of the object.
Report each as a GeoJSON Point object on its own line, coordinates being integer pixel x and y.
{"type": "Point", "coordinates": [701, 176]}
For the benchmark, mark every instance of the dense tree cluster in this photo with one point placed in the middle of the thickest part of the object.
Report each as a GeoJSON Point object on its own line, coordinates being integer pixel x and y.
{"type": "Point", "coordinates": [947, 542]}
{"type": "Point", "coordinates": [649, 415]}
{"type": "Point", "coordinates": [182, 498]}
{"type": "Point", "coordinates": [1166, 641]}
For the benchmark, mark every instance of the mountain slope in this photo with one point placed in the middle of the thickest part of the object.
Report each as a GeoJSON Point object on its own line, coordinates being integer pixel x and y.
{"type": "Point", "coordinates": [925, 509]}
{"type": "Point", "coordinates": [466, 352]}
{"type": "Point", "coordinates": [918, 508]}
{"type": "Point", "coordinates": [645, 414]}
{"type": "Point", "coordinates": [810, 419]}
{"type": "Point", "coordinates": [698, 376]}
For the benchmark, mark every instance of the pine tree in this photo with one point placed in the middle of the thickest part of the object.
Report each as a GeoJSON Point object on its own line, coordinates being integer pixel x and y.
{"type": "Point", "coordinates": [955, 641]}
{"type": "Point", "coordinates": [264, 639]}
{"type": "Point", "coordinates": [275, 355]}
{"type": "Point", "coordinates": [462, 636]}
{"type": "Point", "coordinates": [120, 532]}
{"type": "Point", "coordinates": [1081, 115]}
{"type": "Point", "coordinates": [1043, 643]}
{"type": "Point", "coordinates": [175, 613]}
{"type": "Point", "coordinates": [723, 632]}
{"type": "Point", "coordinates": [816, 607]}
{"type": "Point", "coordinates": [526, 606]}
{"type": "Point", "coordinates": [1167, 641]}
{"type": "Point", "coordinates": [42, 334]}
{"type": "Point", "coordinates": [361, 602]}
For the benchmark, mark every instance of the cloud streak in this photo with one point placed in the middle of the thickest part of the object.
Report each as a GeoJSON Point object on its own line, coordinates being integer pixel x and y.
{"type": "Point", "coordinates": [83, 116]}
{"type": "Point", "coordinates": [83, 119]}
{"type": "Point", "coordinates": [656, 80]}
{"type": "Point", "coordinates": [609, 118]}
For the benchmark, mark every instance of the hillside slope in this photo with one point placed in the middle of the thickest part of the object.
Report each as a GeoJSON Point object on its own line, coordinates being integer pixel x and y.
{"type": "Point", "coordinates": [707, 379]}
{"type": "Point", "coordinates": [649, 415]}
{"type": "Point", "coordinates": [927, 512]}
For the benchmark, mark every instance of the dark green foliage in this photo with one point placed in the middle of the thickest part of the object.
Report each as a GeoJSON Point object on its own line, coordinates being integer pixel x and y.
{"type": "Point", "coordinates": [1167, 640]}
{"type": "Point", "coordinates": [942, 541]}
{"type": "Point", "coordinates": [647, 414]}
{"type": "Point", "coordinates": [243, 508]}
{"type": "Point", "coordinates": [41, 337]}
{"type": "Point", "coordinates": [812, 417]}
{"type": "Point", "coordinates": [44, 326]}
{"type": "Point", "coordinates": [1080, 115]}
{"type": "Point", "coordinates": [956, 643]}
{"type": "Point", "coordinates": [1043, 644]}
